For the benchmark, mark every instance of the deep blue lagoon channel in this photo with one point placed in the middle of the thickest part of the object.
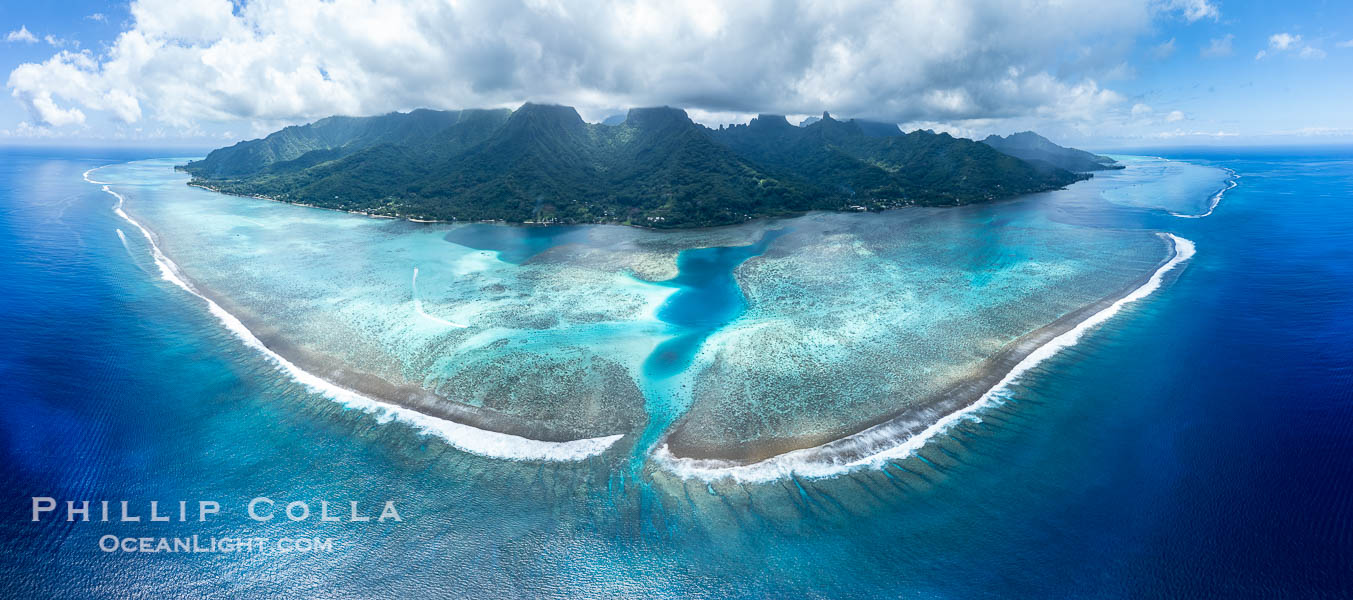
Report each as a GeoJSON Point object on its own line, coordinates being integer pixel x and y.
{"type": "Point", "coordinates": [707, 294]}
{"type": "Point", "coordinates": [707, 298]}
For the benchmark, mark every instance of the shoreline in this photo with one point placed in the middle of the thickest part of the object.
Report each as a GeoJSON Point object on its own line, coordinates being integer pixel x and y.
{"type": "Point", "coordinates": [791, 215]}
{"type": "Point", "coordinates": [204, 186]}
{"type": "Point", "coordinates": [371, 395]}
{"type": "Point", "coordinates": [902, 434]}
{"type": "Point", "coordinates": [893, 436]}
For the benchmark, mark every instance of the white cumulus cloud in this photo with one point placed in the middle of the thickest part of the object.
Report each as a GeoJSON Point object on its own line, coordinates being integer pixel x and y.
{"type": "Point", "coordinates": [186, 63]}
{"type": "Point", "coordinates": [22, 34]}
{"type": "Point", "coordinates": [1194, 10]}
{"type": "Point", "coordinates": [1283, 41]}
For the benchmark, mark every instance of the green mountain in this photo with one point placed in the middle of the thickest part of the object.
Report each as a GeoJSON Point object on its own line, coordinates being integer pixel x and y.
{"type": "Point", "coordinates": [655, 167]}
{"type": "Point", "coordinates": [1039, 150]}
{"type": "Point", "coordinates": [878, 166]}
{"type": "Point", "coordinates": [326, 139]}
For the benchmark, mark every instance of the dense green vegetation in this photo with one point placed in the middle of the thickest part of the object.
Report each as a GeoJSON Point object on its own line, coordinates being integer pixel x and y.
{"type": "Point", "coordinates": [656, 168]}
{"type": "Point", "coordinates": [877, 166]}
{"type": "Point", "coordinates": [1041, 152]}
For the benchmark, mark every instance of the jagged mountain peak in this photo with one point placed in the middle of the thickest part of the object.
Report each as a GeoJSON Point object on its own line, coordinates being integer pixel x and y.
{"type": "Point", "coordinates": [542, 162]}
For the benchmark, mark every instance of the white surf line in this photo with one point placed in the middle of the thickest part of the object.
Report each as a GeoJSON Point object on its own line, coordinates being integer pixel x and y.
{"type": "Point", "coordinates": [1231, 183]}
{"type": "Point", "coordinates": [470, 439]}
{"type": "Point", "coordinates": [816, 463]}
{"type": "Point", "coordinates": [86, 175]}
{"type": "Point", "coordinates": [418, 306]}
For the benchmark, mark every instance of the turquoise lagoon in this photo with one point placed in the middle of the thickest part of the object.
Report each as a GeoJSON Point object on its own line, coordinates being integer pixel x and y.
{"type": "Point", "coordinates": [709, 350]}
{"type": "Point", "coordinates": [1195, 444]}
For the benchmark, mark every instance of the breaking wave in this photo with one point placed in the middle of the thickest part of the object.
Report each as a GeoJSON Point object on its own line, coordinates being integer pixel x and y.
{"type": "Point", "coordinates": [470, 439]}
{"type": "Point", "coordinates": [875, 446]}
{"type": "Point", "coordinates": [1231, 183]}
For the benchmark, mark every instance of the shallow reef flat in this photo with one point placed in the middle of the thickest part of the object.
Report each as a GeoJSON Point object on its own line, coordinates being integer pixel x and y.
{"type": "Point", "coordinates": [733, 344]}
{"type": "Point", "coordinates": [561, 338]}
{"type": "Point", "coordinates": [852, 321]}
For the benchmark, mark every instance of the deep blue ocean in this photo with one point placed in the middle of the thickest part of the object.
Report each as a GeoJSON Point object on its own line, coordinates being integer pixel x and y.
{"type": "Point", "coordinates": [1198, 446]}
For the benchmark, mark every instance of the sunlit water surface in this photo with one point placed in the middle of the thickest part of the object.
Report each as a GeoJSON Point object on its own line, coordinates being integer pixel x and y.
{"type": "Point", "coordinates": [1195, 444]}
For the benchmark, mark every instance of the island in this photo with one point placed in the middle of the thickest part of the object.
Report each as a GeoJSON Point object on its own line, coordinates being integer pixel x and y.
{"type": "Point", "coordinates": [653, 168]}
{"type": "Point", "coordinates": [1042, 152]}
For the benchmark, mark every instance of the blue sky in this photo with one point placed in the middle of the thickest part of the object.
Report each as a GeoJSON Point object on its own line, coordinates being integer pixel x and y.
{"type": "Point", "coordinates": [1303, 87]}
{"type": "Point", "coordinates": [1112, 73]}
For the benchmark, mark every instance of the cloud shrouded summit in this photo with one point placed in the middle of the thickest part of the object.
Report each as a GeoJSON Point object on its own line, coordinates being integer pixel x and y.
{"type": "Point", "coordinates": [186, 64]}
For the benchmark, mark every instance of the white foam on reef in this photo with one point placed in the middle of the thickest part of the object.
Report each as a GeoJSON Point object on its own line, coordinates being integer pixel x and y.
{"type": "Point", "coordinates": [418, 306]}
{"type": "Point", "coordinates": [86, 175]}
{"type": "Point", "coordinates": [873, 447]}
{"type": "Point", "coordinates": [470, 439]}
{"type": "Point", "coordinates": [1216, 198]}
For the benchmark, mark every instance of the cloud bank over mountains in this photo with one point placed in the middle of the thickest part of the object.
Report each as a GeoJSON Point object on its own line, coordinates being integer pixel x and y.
{"type": "Point", "coordinates": [204, 65]}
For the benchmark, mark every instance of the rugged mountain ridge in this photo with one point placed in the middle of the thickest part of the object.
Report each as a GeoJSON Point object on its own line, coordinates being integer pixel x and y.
{"type": "Point", "coordinates": [1036, 149]}
{"type": "Point", "coordinates": [871, 164]}
{"type": "Point", "coordinates": [656, 167]}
